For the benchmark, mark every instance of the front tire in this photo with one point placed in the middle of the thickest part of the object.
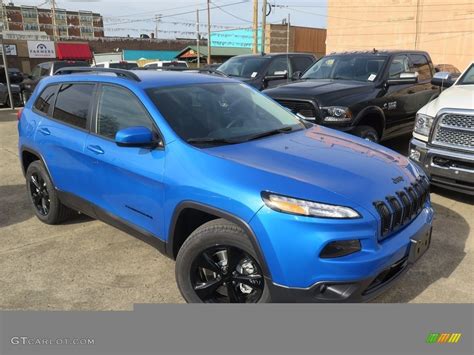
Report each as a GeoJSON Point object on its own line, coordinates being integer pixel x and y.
{"type": "Point", "coordinates": [217, 264]}
{"type": "Point", "coordinates": [43, 196]}
{"type": "Point", "coordinates": [367, 132]}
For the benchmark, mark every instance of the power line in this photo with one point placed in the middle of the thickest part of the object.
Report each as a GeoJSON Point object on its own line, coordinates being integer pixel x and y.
{"type": "Point", "coordinates": [230, 14]}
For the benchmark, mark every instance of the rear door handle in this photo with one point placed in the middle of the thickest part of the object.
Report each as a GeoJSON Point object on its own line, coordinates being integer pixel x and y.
{"type": "Point", "coordinates": [44, 131]}
{"type": "Point", "coordinates": [95, 149]}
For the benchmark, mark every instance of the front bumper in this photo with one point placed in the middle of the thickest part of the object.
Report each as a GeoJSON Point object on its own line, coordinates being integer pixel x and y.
{"type": "Point", "coordinates": [357, 290]}
{"type": "Point", "coordinates": [447, 168]}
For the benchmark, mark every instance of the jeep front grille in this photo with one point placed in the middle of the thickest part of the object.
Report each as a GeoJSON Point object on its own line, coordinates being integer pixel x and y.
{"type": "Point", "coordinates": [304, 108]}
{"type": "Point", "coordinates": [397, 211]}
{"type": "Point", "coordinates": [454, 130]}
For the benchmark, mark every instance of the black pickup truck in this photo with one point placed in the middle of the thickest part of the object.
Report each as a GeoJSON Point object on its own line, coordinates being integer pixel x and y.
{"type": "Point", "coordinates": [373, 94]}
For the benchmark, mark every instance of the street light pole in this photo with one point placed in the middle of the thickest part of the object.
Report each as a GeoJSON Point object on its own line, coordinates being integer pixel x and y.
{"type": "Point", "coordinates": [198, 40]}
{"type": "Point", "coordinates": [264, 24]}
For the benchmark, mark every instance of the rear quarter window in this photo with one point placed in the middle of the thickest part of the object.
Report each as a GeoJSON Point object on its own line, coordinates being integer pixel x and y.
{"type": "Point", "coordinates": [72, 104]}
{"type": "Point", "coordinates": [46, 99]}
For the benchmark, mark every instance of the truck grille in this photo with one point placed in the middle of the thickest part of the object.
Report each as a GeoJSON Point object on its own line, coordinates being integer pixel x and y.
{"type": "Point", "coordinates": [304, 108]}
{"type": "Point", "coordinates": [455, 131]}
{"type": "Point", "coordinates": [397, 211]}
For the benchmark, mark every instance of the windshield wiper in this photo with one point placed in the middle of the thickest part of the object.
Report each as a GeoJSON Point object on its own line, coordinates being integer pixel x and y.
{"type": "Point", "coordinates": [285, 129]}
{"type": "Point", "coordinates": [210, 140]}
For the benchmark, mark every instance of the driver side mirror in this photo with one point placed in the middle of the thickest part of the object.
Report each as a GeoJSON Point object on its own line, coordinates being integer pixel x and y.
{"type": "Point", "coordinates": [297, 75]}
{"type": "Point", "coordinates": [278, 75]}
{"type": "Point", "coordinates": [443, 79]}
{"type": "Point", "coordinates": [137, 136]}
{"type": "Point", "coordinates": [405, 78]}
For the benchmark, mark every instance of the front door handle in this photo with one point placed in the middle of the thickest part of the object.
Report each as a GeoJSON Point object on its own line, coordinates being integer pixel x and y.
{"type": "Point", "coordinates": [95, 149]}
{"type": "Point", "coordinates": [44, 131]}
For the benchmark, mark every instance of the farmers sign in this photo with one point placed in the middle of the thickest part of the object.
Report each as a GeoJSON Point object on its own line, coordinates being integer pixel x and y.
{"type": "Point", "coordinates": [41, 49]}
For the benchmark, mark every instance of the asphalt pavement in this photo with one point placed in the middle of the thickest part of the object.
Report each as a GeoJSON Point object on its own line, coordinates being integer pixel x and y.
{"type": "Point", "coordinates": [87, 265]}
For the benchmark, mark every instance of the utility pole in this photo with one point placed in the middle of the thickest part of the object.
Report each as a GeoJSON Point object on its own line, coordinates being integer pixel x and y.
{"type": "Point", "coordinates": [157, 21]}
{"type": "Point", "coordinates": [255, 27]}
{"type": "Point", "coordinates": [288, 35]}
{"type": "Point", "coordinates": [198, 56]}
{"type": "Point", "coordinates": [264, 24]}
{"type": "Point", "coordinates": [208, 32]}
{"type": "Point", "coordinates": [53, 11]}
{"type": "Point", "coordinates": [7, 77]}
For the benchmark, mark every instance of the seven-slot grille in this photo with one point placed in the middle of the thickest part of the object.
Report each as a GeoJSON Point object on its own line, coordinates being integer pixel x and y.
{"type": "Point", "coordinates": [455, 130]}
{"type": "Point", "coordinates": [304, 108]}
{"type": "Point", "coordinates": [400, 209]}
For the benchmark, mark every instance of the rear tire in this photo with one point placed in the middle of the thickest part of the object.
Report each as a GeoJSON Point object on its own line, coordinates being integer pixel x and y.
{"type": "Point", "coordinates": [367, 132]}
{"type": "Point", "coordinates": [43, 196]}
{"type": "Point", "coordinates": [218, 264]}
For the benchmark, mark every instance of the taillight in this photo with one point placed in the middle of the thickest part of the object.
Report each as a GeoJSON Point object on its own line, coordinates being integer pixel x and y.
{"type": "Point", "coordinates": [18, 114]}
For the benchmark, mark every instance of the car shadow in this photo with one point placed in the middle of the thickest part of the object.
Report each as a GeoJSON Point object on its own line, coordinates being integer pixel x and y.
{"type": "Point", "coordinates": [450, 233]}
{"type": "Point", "coordinates": [15, 207]}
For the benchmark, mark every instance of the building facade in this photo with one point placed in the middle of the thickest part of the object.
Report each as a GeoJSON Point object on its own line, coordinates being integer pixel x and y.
{"type": "Point", "coordinates": [68, 24]}
{"type": "Point", "coordinates": [442, 28]}
{"type": "Point", "coordinates": [278, 38]}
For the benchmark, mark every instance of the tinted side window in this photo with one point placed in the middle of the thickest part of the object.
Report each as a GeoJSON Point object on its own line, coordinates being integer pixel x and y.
{"type": "Point", "coordinates": [119, 109]}
{"type": "Point", "coordinates": [72, 104]}
{"type": "Point", "coordinates": [45, 69]}
{"type": "Point", "coordinates": [301, 63]}
{"type": "Point", "coordinates": [36, 72]}
{"type": "Point", "coordinates": [277, 66]}
{"type": "Point", "coordinates": [400, 64]}
{"type": "Point", "coordinates": [422, 66]}
{"type": "Point", "coordinates": [45, 100]}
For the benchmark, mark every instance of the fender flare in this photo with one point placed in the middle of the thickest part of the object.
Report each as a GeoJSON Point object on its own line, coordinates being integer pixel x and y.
{"type": "Point", "coordinates": [371, 110]}
{"type": "Point", "coordinates": [38, 154]}
{"type": "Point", "coordinates": [221, 214]}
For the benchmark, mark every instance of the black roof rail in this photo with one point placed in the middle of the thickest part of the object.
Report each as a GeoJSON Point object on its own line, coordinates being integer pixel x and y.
{"type": "Point", "coordinates": [192, 70]}
{"type": "Point", "coordinates": [122, 73]}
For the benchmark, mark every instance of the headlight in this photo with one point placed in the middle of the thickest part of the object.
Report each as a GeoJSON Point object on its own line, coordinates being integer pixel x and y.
{"type": "Point", "coordinates": [423, 124]}
{"type": "Point", "coordinates": [307, 208]}
{"type": "Point", "coordinates": [336, 114]}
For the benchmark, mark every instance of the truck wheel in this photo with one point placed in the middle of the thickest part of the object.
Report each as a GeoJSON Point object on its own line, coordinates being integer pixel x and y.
{"type": "Point", "coordinates": [44, 198]}
{"type": "Point", "coordinates": [368, 133]}
{"type": "Point", "coordinates": [217, 264]}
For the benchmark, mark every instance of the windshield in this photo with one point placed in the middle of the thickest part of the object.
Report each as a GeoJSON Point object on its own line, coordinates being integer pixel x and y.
{"type": "Point", "coordinates": [207, 113]}
{"type": "Point", "coordinates": [468, 77]}
{"type": "Point", "coordinates": [244, 67]}
{"type": "Point", "coordinates": [347, 67]}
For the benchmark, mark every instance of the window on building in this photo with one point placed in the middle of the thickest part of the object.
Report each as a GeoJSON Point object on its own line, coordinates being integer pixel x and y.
{"type": "Point", "coordinates": [44, 101]}
{"type": "Point", "coordinates": [72, 104]}
{"type": "Point", "coordinates": [119, 109]}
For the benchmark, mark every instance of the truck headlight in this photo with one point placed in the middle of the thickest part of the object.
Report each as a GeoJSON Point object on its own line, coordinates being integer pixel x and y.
{"type": "Point", "coordinates": [336, 114]}
{"type": "Point", "coordinates": [296, 206]}
{"type": "Point", "coordinates": [423, 125]}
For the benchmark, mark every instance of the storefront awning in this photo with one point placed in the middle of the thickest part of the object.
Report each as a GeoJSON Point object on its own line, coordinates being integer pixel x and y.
{"type": "Point", "coordinates": [79, 51]}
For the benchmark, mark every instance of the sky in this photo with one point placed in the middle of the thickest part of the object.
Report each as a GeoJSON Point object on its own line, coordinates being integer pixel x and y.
{"type": "Point", "coordinates": [122, 18]}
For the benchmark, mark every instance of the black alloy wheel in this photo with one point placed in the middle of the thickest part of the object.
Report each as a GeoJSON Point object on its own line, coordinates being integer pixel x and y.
{"type": "Point", "coordinates": [226, 274]}
{"type": "Point", "coordinates": [39, 194]}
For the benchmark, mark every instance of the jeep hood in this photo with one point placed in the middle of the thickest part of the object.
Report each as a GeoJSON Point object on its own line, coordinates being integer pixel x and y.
{"type": "Point", "coordinates": [324, 165]}
{"type": "Point", "coordinates": [323, 90]}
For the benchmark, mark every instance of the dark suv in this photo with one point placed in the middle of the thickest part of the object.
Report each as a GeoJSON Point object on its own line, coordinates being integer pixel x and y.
{"type": "Point", "coordinates": [374, 95]}
{"type": "Point", "coordinates": [264, 71]}
{"type": "Point", "coordinates": [42, 70]}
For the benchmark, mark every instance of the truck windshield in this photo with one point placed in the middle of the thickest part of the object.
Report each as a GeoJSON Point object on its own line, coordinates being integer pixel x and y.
{"type": "Point", "coordinates": [244, 67]}
{"type": "Point", "coordinates": [468, 77]}
{"type": "Point", "coordinates": [347, 67]}
{"type": "Point", "coordinates": [221, 113]}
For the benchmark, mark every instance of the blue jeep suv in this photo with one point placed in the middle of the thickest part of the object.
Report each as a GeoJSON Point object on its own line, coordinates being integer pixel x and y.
{"type": "Point", "coordinates": [254, 204]}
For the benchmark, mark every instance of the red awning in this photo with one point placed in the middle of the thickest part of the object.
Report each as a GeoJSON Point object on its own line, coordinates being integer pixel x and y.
{"type": "Point", "coordinates": [80, 51]}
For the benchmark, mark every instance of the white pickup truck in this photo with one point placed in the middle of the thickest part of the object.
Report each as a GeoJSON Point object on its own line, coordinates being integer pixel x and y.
{"type": "Point", "coordinates": [443, 138]}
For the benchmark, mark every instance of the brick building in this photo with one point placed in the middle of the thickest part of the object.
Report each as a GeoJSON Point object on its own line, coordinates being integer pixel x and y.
{"type": "Point", "coordinates": [69, 24]}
